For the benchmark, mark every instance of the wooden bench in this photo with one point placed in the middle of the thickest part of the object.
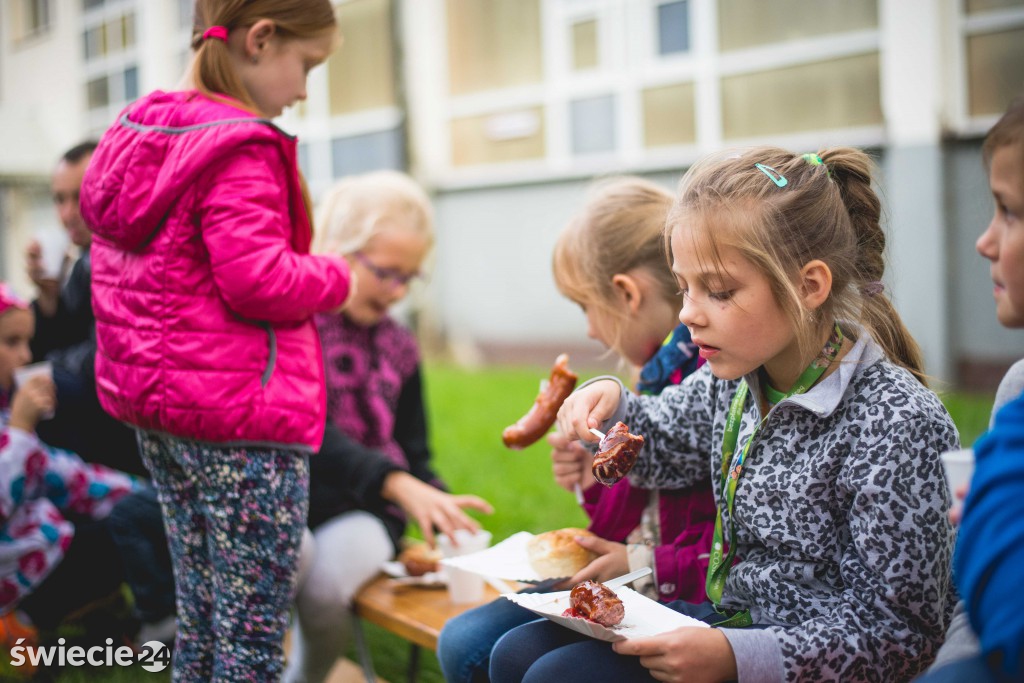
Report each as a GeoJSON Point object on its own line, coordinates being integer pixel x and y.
{"type": "Point", "coordinates": [414, 613]}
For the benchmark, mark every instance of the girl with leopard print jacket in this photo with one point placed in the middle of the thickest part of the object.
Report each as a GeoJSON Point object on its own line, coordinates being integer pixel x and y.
{"type": "Point", "coordinates": [813, 423]}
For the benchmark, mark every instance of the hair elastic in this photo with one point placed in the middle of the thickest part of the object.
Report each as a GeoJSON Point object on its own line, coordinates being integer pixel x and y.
{"type": "Point", "coordinates": [218, 32]}
{"type": "Point", "coordinates": [815, 160]}
{"type": "Point", "coordinates": [8, 299]}
{"type": "Point", "coordinates": [873, 288]}
{"type": "Point", "coordinates": [774, 175]}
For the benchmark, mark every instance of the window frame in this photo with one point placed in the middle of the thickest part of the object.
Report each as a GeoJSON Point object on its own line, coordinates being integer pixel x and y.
{"type": "Point", "coordinates": [24, 26]}
{"type": "Point", "coordinates": [963, 26]}
{"type": "Point", "coordinates": [629, 64]}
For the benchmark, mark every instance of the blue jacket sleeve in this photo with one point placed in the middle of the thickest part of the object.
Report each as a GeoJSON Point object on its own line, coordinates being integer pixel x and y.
{"type": "Point", "coordinates": [990, 550]}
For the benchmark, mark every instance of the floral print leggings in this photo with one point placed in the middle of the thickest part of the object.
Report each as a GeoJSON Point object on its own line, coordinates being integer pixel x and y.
{"type": "Point", "coordinates": [234, 519]}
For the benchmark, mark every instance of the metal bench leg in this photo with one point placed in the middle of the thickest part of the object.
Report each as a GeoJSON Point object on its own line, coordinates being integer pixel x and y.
{"type": "Point", "coordinates": [365, 659]}
{"type": "Point", "coordinates": [414, 663]}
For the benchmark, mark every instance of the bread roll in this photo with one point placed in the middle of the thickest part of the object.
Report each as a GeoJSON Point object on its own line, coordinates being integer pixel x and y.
{"type": "Point", "coordinates": [556, 554]}
{"type": "Point", "coordinates": [420, 559]}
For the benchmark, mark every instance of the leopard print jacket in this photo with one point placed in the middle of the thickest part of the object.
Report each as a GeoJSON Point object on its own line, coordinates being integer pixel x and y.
{"type": "Point", "coordinates": [841, 524]}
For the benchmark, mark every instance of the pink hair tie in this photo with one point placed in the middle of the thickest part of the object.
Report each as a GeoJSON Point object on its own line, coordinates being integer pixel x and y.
{"type": "Point", "coordinates": [8, 299]}
{"type": "Point", "coordinates": [218, 32]}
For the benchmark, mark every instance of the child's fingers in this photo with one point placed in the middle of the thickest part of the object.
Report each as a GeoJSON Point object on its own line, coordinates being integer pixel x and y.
{"type": "Point", "coordinates": [474, 503]}
{"type": "Point", "coordinates": [558, 440]}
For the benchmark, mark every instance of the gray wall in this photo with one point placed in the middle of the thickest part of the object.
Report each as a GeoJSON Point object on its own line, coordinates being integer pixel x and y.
{"type": "Point", "coordinates": [492, 281]}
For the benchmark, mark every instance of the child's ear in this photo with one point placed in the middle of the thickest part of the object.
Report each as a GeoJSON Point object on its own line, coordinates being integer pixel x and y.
{"type": "Point", "coordinates": [815, 283]}
{"type": "Point", "coordinates": [257, 36]}
{"type": "Point", "coordinates": [627, 291]}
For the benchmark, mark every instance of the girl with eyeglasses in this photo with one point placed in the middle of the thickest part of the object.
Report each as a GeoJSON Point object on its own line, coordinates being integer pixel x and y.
{"type": "Point", "coordinates": [373, 473]}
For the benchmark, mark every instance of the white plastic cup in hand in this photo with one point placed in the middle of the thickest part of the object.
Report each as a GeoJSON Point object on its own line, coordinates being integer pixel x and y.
{"type": "Point", "coordinates": [959, 465]}
{"type": "Point", "coordinates": [464, 586]}
{"type": "Point", "coordinates": [27, 372]}
{"type": "Point", "coordinates": [53, 249]}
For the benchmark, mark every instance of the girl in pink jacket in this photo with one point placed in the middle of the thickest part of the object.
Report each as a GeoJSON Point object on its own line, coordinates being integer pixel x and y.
{"type": "Point", "coordinates": [204, 291]}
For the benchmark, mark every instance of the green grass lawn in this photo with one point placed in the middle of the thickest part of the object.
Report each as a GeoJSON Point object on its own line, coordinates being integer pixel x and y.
{"type": "Point", "coordinates": [467, 411]}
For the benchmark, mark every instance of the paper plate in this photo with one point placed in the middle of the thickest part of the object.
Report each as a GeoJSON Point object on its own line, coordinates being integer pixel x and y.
{"type": "Point", "coordinates": [643, 618]}
{"type": "Point", "coordinates": [396, 570]}
{"type": "Point", "coordinates": [506, 560]}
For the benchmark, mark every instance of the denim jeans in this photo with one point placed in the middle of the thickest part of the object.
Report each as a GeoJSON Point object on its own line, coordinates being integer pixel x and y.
{"type": "Point", "coordinates": [543, 651]}
{"type": "Point", "coordinates": [464, 646]}
{"type": "Point", "coordinates": [137, 527]}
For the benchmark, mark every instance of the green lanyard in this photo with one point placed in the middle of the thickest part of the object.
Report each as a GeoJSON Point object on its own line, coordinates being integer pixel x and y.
{"type": "Point", "coordinates": [732, 468]}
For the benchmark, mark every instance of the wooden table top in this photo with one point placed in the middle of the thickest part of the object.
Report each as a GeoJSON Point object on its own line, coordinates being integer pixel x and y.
{"type": "Point", "coordinates": [415, 613]}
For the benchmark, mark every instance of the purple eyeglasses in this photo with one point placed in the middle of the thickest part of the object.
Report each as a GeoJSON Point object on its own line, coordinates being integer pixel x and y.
{"type": "Point", "coordinates": [388, 275]}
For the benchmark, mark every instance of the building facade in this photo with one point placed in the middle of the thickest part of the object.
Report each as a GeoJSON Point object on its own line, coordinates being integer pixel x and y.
{"type": "Point", "coordinates": [506, 109]}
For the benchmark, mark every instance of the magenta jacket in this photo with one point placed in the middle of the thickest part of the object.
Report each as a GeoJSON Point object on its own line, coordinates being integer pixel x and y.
{"type": "Point", "coordinates": [203, 285]}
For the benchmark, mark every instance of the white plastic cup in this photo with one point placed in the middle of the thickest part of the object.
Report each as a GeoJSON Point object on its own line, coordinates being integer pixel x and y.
{"type": "Point", "coordinates": [27, 372]}
{"type": "Point", "coordinates": [53, 247]}
{"type": "Point", "coordinates": [959, 465]}
{"type": "Point", "coordinates": [464, 586]}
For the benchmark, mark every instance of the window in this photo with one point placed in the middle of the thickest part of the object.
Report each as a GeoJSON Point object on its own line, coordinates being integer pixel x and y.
{"type": "Point", "coordinates": [500, 137]}
{"type": "Point", "coordinates": [30, 18]}
{"type": "Point", "coordinates": [97, 93]}
{"type": "Point", "coordinates": [975, 6]}
{"type": "Point", "coordinates": [593, 124]}
{"type": "Point", "coordinates": [493, 44]}
{"type": "Point", "coordinates": [823, 95]}
{"type": "Point", "coordinates": [751, 23]}
{"type": "Point", "coordinates": [361, 72]}
{"type": "Point", "coordinates": [584, 45]}
{"type": "Point", "coordinates": [989, 60]}
{"type": "Point", "coordinates": [131, 83]}
{"type": "Point", "coordinates": [995, 65]}
{"type": "Point", "coordinates": [673, 27]}
{"type": "Point", "coordinates": [668, 113]}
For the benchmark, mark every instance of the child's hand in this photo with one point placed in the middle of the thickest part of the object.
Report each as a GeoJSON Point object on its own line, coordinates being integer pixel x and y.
{"type": "Point", "coordinates": [49, 288]}
{"type": "Point", "coordinates": [33, 399]}
{"type": "Point", "coordinates": [957, 509]}
{"type": "Point", "coordinates": [353, 284]}
{"type": "Point", "coordinates": [612, 561]}
{"type": "Point", "coordinates": [691, 654]}
{"type": "Point", "coordinates": [588, 408]}
{"type": "Point", "coordinates": [431, 507]}
{"type": "Point", "coordinates": [570, 462]}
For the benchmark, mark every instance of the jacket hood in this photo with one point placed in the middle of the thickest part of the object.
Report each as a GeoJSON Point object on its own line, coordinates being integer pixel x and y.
{"type": "Point", "coordinates": [158, 148]}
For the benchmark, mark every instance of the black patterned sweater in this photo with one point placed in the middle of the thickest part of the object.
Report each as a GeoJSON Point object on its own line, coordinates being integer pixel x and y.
{"type": "Point", "coordinates": [840, 516]}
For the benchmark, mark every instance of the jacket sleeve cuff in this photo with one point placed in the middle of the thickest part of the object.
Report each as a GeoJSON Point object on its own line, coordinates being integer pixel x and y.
{"type": "Point", "coordinates": [757, 653]}
{"type": "Point", "coordinates": [640, 556]}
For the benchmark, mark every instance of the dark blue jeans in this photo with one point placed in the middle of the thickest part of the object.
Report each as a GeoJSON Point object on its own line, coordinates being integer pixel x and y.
{"type": "Point", "coordinates": [464, 646]}
{"type": "Point", "coordinates": [543, 651]}
{"type": "Point", "coordinates": [137, 526]}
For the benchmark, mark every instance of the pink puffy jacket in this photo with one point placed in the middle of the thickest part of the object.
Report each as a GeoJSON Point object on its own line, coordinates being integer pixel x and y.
{"type": "Point", "coordinates": [203, 285]}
